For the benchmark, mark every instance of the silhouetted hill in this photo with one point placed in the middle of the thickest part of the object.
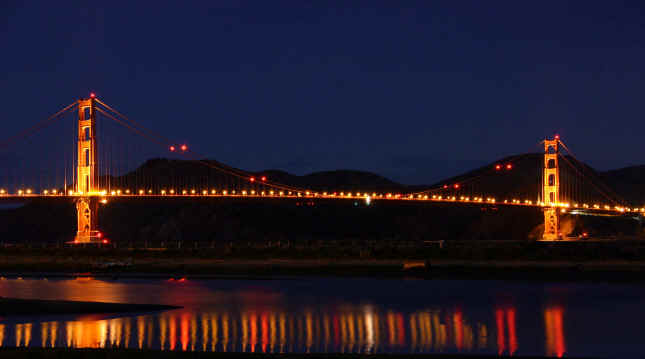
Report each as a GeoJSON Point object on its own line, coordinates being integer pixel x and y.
{"type": "Point", "coordinates": [201, 175]}
{"type": "Point", "coordinates": [629, 182]}
{"type": "Point", "coordinates": [339, 179]}
{"type": "Point", "coordinates": [522, 181]}
{"type": "Point", "coordinates": [248, 219]}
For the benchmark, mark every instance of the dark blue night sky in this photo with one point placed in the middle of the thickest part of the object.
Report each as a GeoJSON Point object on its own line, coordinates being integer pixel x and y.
{"type": "Point", "coordinates": [415, 93]}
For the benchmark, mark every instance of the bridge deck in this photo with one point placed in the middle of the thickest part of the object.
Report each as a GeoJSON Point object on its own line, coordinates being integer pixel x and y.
{"type": "Point", "coordinates": [104, 198]}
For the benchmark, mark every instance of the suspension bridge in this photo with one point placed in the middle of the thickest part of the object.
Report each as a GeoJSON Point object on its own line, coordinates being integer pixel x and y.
{"type": "Point", "coordinates": [91, 178]}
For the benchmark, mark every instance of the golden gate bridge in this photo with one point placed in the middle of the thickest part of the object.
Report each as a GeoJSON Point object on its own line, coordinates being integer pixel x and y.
{"type": "Point", "coordinates": [564, 185]}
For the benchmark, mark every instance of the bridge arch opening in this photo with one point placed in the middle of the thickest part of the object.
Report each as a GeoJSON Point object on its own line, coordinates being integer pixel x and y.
{"type": "Point", "coordinates": [550, 163]}
{"type": "Point", "coordinates": [551, 149]}
{"type": "Point", "coordinates": [86, 113]}
{"type": "Point", "coordinates": [552, 180]}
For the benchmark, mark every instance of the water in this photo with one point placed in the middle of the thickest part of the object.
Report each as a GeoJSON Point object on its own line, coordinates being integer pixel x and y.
{"type": "Point", "coordinates": [341, 315]}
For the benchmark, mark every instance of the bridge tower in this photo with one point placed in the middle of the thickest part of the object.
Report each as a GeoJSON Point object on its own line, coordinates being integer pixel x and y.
{"type": "Point", "coordinates": [551, 190]}
{"type": "Point", "coordinates": [87, 173]}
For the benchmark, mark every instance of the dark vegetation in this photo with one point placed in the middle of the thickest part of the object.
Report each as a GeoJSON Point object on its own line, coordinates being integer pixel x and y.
{"type": "Point", "coordinates": [205, 219]}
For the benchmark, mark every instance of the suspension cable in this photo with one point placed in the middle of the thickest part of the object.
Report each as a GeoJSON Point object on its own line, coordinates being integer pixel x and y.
{"type": "Point", "coordinates": [224, 168]}
{"type": "Point", "coordinates": [35, 128]}
{"type": "Point", "coordinates": [586, 168]}
{"type": "Point", "coordinates": [591, 182]}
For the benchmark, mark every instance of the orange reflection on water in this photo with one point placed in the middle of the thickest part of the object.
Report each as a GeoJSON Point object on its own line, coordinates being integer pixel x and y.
{"type": "Point", "coordinates": [183, 325]}
{"type": "Point", "coordinates": [141, 329]}
{"type": "Point", "coordinates": [162, 331]}
{"type": "Point", "coordinates": [505, 319]}
{"type": "Point", "coordinates": [23, 334]}
{"type": "Point", "coordinates": [44, 329]}
{"type": "Point", "coordinates": [224, 331]}
{"type": "Point", "coordinates": [254, 331]}
{"type": "Point", "coordinates": [204, 332]}
{"type": "Point", "coordinates": [172, 332]}
{"type": "Point", "coordinates": [512, 334]}
{"type": "Point", "coordinates": [501, 341]}
{"type": "Point", "coordinates": [553, 321]}
{"type": "Point", "coordinates": [360, 329]}
{"type": "Point", "coordinates": [459, 337]}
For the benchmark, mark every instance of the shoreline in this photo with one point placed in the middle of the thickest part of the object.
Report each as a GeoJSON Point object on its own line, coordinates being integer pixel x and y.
{"type": "Point", "coordinates": [606, 271]}
{"type": "Point", "coordinates": [10, 307]}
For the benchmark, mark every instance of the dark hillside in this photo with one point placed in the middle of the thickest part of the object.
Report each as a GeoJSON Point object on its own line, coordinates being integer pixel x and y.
{"type": "Point", "coordinates": [242, 219]}
{"type": "Point", "coordinates": [629, 182]}
{"type": "Point", "coordinates": [522, 182]}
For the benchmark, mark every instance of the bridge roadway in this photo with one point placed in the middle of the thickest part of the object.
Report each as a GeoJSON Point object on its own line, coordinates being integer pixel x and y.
{"type": "Point", "coordinates": [364, 196]}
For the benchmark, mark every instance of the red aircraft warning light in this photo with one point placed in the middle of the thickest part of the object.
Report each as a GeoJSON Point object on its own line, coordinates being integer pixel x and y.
{"type": "Point", "coordinates": [172, 148]}
{"type": "Point", "coordinates": [456, 185]}
{"type": "Point", "coordinates": [252, 179]}
{"type": "Point", "coordinates": [264, 178]}
{"type": "Point", "coordinates": [445, 186]}
{"type": "Point", "coordinates": [509, 166]}
{"type": "Point", "coordinates": [557, 137]}
{"type": "Point", "coordinates": [92, 95]}
{"type": "Point", "coordinates": [184, 148]}
{"type": "Point", "coordinates": [498, 167]}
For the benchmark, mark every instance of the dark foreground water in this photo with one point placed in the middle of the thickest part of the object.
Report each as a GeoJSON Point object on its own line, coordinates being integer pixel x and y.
{"type": "Point", "coordinates": [342, 315]}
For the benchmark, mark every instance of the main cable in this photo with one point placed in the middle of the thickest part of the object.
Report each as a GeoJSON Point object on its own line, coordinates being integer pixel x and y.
{"type": "Point", "coordinates": [37, 127]}
{"type": "Point", "coordinates": [195, 156]}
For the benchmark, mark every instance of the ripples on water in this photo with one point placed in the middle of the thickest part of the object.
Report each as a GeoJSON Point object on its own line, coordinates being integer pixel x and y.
{"type": "Point", "coordinates": [363, 316]}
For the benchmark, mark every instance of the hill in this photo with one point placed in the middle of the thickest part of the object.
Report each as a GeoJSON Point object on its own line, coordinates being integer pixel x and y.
{"type": "Point", "coordinates": [522, 181]}
{"type": "Point", "coordinates": [195, 219]}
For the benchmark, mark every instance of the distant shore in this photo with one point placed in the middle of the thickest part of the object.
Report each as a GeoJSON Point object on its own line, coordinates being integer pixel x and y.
{"type": "Point", "coordinates": [422, 269]}
{"type": "Point", "coordinates": [581, 260]}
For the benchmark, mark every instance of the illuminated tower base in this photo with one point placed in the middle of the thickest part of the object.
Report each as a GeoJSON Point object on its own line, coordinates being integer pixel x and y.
{"type": "Point", "coordinates": [551, 225]}
{"type": "Point", "coordinates": [86, 215]}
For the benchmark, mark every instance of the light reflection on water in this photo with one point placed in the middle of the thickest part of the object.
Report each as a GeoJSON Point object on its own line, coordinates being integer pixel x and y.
{"type": "Point", "coordinates": [358, 330]}
{"type": "Point", "coordinates": [297, 316]}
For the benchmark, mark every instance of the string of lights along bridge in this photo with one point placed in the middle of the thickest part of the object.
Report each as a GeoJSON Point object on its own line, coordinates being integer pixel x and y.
{"type": "Point", "coordinates": [91, 178]}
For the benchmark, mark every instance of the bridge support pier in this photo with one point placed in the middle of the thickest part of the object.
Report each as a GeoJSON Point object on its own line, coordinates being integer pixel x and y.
{"type": "Point", "coordinates": [551, 225]}
{"type": "Point", "coordinates": [86, 216]}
